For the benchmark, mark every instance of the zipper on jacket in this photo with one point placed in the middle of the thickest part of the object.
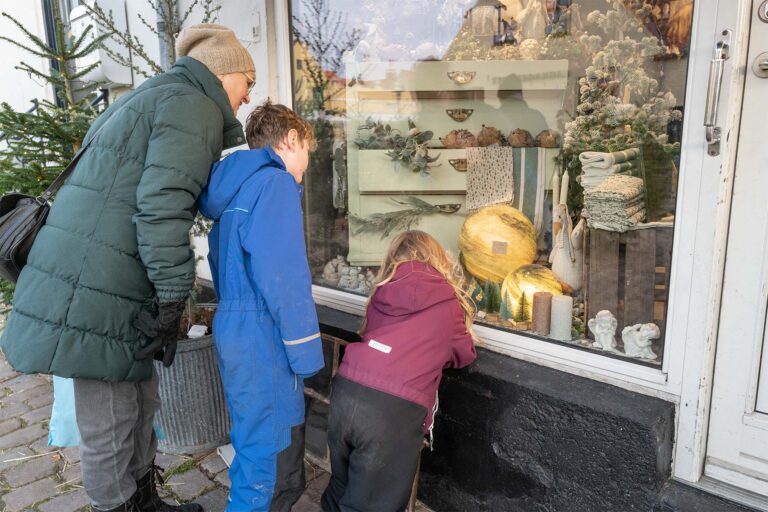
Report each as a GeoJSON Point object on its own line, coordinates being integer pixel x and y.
{"type": "Point", "coordinates": [295, 382]}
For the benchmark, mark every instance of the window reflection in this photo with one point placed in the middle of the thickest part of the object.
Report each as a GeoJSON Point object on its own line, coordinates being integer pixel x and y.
{"type": "Point", "coordinates": [538, 139]}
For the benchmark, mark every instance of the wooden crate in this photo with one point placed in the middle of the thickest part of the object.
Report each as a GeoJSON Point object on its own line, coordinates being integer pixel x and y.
{"type": "Point", "coordinates": [628, 275]}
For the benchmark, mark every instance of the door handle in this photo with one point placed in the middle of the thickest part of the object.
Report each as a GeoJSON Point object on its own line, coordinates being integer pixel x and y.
{"type": "Point", "coordinates": [716, 66]}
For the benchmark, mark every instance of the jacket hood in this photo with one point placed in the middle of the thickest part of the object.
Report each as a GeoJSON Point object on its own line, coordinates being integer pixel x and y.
{"type": "Point", "coordinates": [415, 287]}
{"type": "Point", "coordinates": [200, 77]}
{"type": "Point", "coordinates": [229, 175]}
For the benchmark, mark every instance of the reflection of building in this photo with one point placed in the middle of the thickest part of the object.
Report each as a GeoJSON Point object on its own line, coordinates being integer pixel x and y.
{"type": "Point", "coordinates": [315, 87]}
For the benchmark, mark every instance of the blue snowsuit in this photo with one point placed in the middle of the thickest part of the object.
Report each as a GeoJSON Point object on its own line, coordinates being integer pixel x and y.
{"type": "Point", "coordinates": [265, 329]}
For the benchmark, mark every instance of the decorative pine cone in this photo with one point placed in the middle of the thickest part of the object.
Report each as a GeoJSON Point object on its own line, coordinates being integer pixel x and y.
{"type": "Point", "coordinates": [519, 138]}
{"type": "Point", "coordinates": [489, 136]}
{"type": "Point", "coordinates": [459, 139]}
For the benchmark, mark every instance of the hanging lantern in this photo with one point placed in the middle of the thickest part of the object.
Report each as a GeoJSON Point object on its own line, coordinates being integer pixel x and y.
{"type": "Point", "coordinates": [485, 20]}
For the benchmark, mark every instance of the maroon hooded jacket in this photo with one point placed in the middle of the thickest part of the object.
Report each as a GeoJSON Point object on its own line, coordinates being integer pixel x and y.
{"type": "Point", "coordinates": [415, 329]}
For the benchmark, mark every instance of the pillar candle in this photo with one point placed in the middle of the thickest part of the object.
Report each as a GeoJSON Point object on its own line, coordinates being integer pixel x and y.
{"type": "Point", "coordinates": [564, 188]}
{"type": "Point", "coordinates": [562, 318]}
{"type": "Point", "coordinates": [542, 312]}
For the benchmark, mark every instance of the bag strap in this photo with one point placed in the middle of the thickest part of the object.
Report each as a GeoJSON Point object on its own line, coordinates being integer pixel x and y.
{"type": "Point", "coordinates": [61, 178]}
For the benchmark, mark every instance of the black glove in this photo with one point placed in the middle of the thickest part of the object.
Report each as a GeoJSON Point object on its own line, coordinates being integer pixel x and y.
{"type": "Point", "coordinates": [162, 329]}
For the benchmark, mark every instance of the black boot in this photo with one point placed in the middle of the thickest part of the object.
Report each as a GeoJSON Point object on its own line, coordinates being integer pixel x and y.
{"type": "Point", "coordinates": [128, 506]}
{"type": "Point", "coordinates": [148, 500]}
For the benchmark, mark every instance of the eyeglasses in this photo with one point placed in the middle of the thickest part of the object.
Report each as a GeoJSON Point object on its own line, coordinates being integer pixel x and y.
{"type": "Point", "coordinates": [251, 82]}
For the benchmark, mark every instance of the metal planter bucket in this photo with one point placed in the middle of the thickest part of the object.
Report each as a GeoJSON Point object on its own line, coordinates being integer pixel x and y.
{"type": "Point", "coordinates": [193, 413]}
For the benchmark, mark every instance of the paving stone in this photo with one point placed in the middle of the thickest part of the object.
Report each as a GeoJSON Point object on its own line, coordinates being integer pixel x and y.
{"type": "Point", "coordinates": [214, 501]}
{"type": "Point", "coordinates": [31, 470]}
{"type": "Point", "coordinates": [18, 499]}
{"type": "Point", "coordinates": [38, 415]}
{"type": "Point", "coordinates": [23, 382]}
{"type": "Point", "coordinates": [72, 475]}
{"type": "Point", "coordinates": [223, 479]}
{"type": "Point", "coordinates": [72, 454]}
{"type": "Point", "coordinates": [9, 426]}
{"type": "Point", "coordinates": [28, 394]}
{"type": "Point", "coordinates": [190, 484]}
{"type": "Point", "coordinates": [13, 411]}
{"type": "Point", "coordinates": [168, 461]}
{"type": "Point", "coordinates": [69, 502]}
{"type": "Point", "coordinates": [41, 445]}
{"type": "Point", "coordinates": [22, 436]}
{"type": "Point", "coordinates": [41, 401]}
{"type": "Point", "coordinates": [8, 459]}
{"type": "Point", "coordinates": [212, 465]}
{"type": "Point", "coordinates": [7, 372]}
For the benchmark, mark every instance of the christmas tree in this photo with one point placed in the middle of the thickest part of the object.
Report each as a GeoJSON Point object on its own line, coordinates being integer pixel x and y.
{"type": "Point", "coordinates": [504, 311]}
{"type": "Point", "coordinates": [521, 315]}
{"type": "Point", "coordinates": [39, 143]}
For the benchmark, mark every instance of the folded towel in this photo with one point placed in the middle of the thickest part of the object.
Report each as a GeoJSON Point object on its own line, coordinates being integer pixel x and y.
{"type": "Point", "coordinates": [617, 188]}
{"type": "Point", "coordinates": [598, 159]}
{"type": "Point", "coordinates": [591, 169]}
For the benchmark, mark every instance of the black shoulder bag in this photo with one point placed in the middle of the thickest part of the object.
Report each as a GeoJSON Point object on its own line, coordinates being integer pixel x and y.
{"type": "Point", "coordinates": [22, 217]}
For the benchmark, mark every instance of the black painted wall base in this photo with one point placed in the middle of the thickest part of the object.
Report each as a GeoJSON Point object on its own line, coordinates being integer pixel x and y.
{"type": "Point", "coordinates": [513, 436]}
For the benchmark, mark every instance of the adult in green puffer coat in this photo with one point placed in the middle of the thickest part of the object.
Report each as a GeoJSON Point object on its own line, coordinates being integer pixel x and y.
{"type": "Point", "coordinates": [103, 289]}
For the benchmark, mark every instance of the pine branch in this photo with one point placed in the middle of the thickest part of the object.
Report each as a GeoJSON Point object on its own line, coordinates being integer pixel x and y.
{"type": "Point", "coordinates": [44, 49]}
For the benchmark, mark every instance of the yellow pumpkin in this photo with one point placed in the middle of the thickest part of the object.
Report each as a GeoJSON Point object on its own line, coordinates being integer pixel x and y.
{"type": "Point", "coordinates": [525, 281]}
{"type": "Point", "coordinates": [496, 240]}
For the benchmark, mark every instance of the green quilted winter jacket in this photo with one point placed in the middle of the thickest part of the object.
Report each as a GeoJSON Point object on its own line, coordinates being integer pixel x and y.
{"type": "Point", "coordinates": [118, 232]}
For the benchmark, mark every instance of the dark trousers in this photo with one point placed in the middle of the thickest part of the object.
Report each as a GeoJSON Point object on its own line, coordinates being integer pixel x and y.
{"type": "Point", "coordinates": [374, 439]}
{"type": "Point", "coordinates": [290, 479]}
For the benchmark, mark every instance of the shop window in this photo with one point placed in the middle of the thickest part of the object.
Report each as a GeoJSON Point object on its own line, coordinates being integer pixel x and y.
{"type": "Point", "coordinates": [538, 140]}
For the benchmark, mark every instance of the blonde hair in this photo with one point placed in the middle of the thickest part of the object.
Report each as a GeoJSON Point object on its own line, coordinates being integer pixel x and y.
{"type": "Point", "coordinates": [419, 246]}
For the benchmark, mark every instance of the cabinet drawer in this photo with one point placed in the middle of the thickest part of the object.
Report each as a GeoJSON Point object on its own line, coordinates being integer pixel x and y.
{"type": "Point", "coordinates": [378, 173]}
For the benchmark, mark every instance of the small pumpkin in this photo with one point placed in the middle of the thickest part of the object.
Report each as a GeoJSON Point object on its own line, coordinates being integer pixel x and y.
{"type": "Point", "coordinates": [548, 139]}
{"type": "Point", "coordinates": [459, 139]}
{"type": "Point", "coordinates": [496, 240]}
{"type": "Point", "coordinates": [525, 281]}
{"type": "Point", "coordinates": [519, 138]}
{"type": "Point", "coordinates": [489, 136]}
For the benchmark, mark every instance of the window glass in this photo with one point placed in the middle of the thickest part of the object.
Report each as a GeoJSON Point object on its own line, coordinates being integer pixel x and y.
{"type": "Point", "coordinates": [538, 140]}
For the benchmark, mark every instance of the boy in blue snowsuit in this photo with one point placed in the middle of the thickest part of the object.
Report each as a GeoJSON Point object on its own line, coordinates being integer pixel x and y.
{"type": "Point", "coordinates": [265, 329]}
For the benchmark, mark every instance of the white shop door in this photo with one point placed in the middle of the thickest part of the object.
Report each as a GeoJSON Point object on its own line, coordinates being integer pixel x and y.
{"type": "Point", "coordinates": [737, 450]}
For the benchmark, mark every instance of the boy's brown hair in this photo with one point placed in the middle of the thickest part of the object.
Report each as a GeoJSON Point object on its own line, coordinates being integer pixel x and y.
{"type": "Point", "coordinates": [269, 123]}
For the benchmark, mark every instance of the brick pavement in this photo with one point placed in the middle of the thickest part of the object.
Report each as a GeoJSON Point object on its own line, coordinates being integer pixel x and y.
{"type": "Point", "coordinates": [37, 477]}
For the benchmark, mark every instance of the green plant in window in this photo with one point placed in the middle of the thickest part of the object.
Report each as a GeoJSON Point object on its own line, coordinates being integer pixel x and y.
{"type": "Point", "coordinates": [400, 220]}
{"type": "Point", "coordinates": [409, 150]}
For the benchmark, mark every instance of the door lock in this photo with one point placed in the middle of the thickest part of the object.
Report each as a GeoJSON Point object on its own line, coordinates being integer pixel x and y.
{"type": "Point", "coordinates": [762, 11]}
{"type": "Point", "coordinates": [760, 65]}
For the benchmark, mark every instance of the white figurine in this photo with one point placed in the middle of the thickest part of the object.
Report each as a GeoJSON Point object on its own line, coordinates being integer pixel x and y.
{"type": "Point", "coordinates": [567, 257]}
{"type": "Point", "coordinates": [603, 327]}
{"type": "Point", "coordinates": [637, 340]}
{"type": "Point", "coordinates": [332, 270]}
{"type": "Point", "coordinates": [348, 279]}
{"type": "Point", "coordinates": [370, 279]}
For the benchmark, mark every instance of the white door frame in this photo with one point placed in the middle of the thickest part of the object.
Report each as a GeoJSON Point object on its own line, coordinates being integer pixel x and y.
{"type": "Point", "coordinates": [701, 233]}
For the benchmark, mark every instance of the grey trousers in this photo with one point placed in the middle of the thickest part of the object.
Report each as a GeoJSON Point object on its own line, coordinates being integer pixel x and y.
{"type": "Point", "coordinates": [118, 443]}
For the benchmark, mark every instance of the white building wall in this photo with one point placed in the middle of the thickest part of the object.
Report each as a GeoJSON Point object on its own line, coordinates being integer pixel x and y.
{"type": "Point", "coordinates": [17, 88]}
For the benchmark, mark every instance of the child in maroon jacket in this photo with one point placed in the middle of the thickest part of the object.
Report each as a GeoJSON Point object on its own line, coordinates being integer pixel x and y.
{"type": "Point", "coordinates": [418, 321]}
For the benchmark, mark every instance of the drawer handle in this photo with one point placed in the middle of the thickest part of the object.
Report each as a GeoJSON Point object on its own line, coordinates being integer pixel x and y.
{"type": "Point", "coordinates": [460, 164]}
{"type": "Point", "coordinates": [459, 114]}
{"type": "Point", "coordinates": [462, 77]}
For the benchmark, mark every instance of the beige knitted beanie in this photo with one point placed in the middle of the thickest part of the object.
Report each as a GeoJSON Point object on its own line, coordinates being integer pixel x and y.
{"type": "Point", "coordinates": [217, 47]}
